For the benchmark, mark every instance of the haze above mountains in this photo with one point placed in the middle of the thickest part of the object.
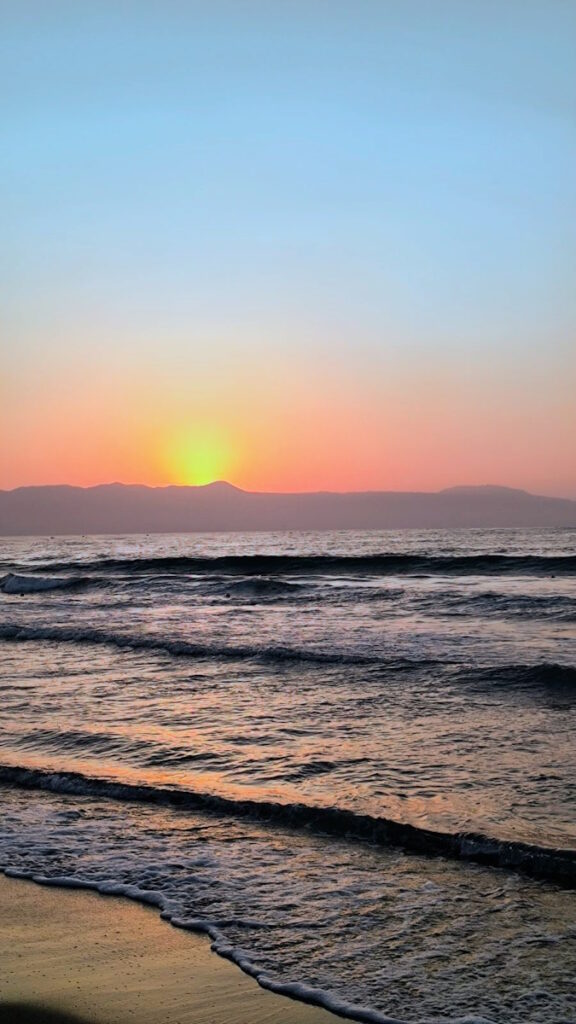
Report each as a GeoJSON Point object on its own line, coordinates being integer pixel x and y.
{"type": "Point", "coordinates": [126, 508]}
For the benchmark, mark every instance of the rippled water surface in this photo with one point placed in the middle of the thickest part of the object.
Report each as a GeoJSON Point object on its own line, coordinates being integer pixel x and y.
{"type": "Point", "coordinates": [425, 679]}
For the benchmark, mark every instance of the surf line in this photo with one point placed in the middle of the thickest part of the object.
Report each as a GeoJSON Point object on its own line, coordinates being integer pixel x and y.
{"type": "Point", "coordinates": [553, 865]}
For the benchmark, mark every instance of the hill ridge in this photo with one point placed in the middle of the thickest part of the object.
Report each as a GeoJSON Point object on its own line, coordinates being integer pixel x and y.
{"type": "Point", "coordinates": [117, 508]}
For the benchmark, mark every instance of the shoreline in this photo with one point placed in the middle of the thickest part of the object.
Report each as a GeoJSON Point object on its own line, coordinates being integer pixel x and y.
{"type": "Point", "coordinates": [99, 959]}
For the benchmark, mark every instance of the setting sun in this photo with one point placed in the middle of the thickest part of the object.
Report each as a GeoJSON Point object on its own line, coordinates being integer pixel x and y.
{"type": "Point", "coordinates": [202, 456]}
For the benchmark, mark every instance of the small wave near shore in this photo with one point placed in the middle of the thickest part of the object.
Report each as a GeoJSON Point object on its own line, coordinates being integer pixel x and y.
{"type": "Point", "coordinates": [558, 866]}
{"type": "Point", "coordinates": [320, 918]}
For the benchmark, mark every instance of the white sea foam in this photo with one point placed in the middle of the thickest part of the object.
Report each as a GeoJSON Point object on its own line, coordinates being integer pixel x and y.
{"type": "Point", "coordinates": [14, 584]}
{"type": "Point", "coordinates": [373, 935]}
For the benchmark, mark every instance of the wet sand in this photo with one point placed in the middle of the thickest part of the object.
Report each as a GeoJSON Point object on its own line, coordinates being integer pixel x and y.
{"type": "Point", "coordinates": [109, 961]}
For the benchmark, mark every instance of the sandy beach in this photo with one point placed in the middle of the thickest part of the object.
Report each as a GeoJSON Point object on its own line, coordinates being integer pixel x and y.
{"type": "Point", "coordinates": [108, 961]}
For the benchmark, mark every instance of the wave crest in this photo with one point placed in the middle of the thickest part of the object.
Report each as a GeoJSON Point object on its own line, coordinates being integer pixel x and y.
{"type": "Point", "coordinates": [379, 565]}
{"type": "Point", "coordinates": [542, 673]}
{"type": "Point", "coordinates": [15, 584]}
{"type": "Point", "coordinates": [554, 865]}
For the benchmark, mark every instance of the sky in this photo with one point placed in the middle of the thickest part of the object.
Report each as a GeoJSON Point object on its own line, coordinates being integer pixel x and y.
{"type": "Point", "coordinates": [293, 244]}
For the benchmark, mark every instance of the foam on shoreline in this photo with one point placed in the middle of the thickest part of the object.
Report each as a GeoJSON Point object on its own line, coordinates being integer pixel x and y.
{"type": "Point", "coordinates": [56, 950]}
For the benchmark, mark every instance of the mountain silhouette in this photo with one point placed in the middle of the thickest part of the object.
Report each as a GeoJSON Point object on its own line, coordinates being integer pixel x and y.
{"type": "Point", "coordinates": [132, 508]}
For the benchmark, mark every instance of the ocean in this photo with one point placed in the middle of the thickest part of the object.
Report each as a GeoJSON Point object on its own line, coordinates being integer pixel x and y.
{"type": "Point", "coordinates": [349, 758]}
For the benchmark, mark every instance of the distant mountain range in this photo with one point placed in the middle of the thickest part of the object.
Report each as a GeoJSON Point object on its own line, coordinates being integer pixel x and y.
{"type": "Point", "coordinates": [126, 508]}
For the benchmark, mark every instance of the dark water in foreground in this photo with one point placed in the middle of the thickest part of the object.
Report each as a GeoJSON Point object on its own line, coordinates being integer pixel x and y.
{"type": "Point", "coordinates": [327, 713]}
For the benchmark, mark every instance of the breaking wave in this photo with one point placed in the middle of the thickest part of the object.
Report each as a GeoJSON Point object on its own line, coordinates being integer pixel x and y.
{"type": "Point", "coordinates": [554, 865]}
{"type": "Point", "coordinates": [184, 648]}
{"type": "Point", "coordinates": [542, 673]}
{"type": "Point", "coordinates": [14, 584]}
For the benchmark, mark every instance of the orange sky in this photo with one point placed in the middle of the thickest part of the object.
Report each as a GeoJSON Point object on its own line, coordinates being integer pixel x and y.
{"type": "Point", "coordinates": [286, 425]}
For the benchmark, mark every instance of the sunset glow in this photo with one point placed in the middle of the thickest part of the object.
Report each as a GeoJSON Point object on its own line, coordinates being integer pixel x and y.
{"type": "Point", "coordinates": [299, 249]}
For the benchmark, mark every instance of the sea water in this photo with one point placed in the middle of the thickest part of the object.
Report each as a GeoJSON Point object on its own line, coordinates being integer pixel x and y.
{"type": "Point", "coordinates": [348, 757]}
